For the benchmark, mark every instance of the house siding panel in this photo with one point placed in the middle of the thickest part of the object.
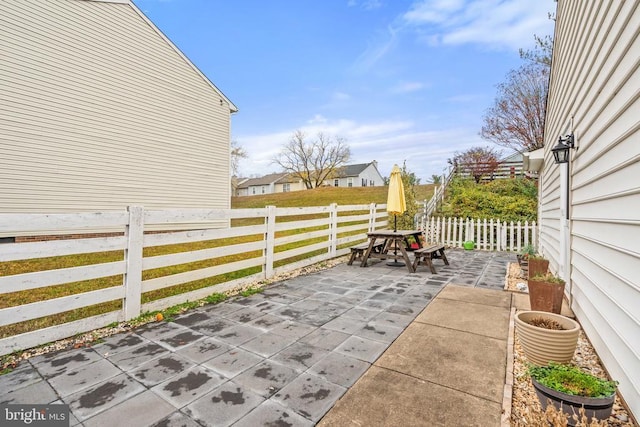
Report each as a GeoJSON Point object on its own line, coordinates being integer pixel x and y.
{"type": "Point", "coordinates": [100, 111]}
{"type": "Point", "coordinates": [595, 93]}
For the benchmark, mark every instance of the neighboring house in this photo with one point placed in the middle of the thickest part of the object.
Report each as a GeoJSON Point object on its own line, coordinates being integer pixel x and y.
{"type": "Point", "coordinates": [361, 175]}
{"type": "Point", "coordinates": [100, 110]}
{"type": "Point", "coordinates": [589, 208]}
{"type": "Point", "coordinates": [268, 184]}
{"type": "Point", "coordinates": [509, 167]}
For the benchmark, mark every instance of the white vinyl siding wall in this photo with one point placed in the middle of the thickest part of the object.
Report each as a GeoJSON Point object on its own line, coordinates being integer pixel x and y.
{"type": "Point", "coordinates": [595, 80]}
{"type": "Point", "coordinates": [99, 111]}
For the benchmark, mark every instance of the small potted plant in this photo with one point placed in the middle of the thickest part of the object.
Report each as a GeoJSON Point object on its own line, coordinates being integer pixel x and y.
{"type": "Point", "coordinates": [546, 337]}
{"type": "Point", "coordinates": [546, 292]}
{"type": "Point", "coordinates": [537, 265]}
{"type": "Point", "coordinates": [569, 389]}
{"type": "Point", "coordinates": [527, 251]}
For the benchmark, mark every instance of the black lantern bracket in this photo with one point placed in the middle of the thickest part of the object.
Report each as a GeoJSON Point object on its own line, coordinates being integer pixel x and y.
{"type": "Point", "coordinates": [561, 150]}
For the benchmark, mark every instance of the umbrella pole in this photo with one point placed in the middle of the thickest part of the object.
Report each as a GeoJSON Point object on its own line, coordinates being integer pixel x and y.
{"type": "Point", "coordinates": [395, 262]}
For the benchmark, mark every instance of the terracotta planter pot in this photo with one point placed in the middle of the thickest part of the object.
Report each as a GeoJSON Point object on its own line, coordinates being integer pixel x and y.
{"type": "Point", "coordinates": [541, 345]}
{"type": "Point", "coordinates": [594, 407]}
{"type": "Point", "coordinates": [537, 266]}
{"type": "Point", "coordinates": [545, 296]}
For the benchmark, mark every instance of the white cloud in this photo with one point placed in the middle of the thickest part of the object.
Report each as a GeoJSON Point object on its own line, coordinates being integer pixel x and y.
{"type": "Point", "coordinates": [507, 24]}
{"type": "Point", "coordinates": [407, 87]}
{"type": "Point", "coordinates": [376, 50]}
{"type": "Point", "coordinates": [388, 142]}
{"type": "Point", "coordinates": [366, 4]}
{"type": "Point", "coordinates": [340, 96]}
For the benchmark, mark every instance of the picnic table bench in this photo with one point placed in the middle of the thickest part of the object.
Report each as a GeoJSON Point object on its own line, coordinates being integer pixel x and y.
{"type": "Point", "coordinates": [358, 251]}
{"type": "Point", "coordinates": [427, 254]}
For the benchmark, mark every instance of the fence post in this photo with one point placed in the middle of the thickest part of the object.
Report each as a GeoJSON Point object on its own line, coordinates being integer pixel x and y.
{"type": "Point", "coordinates": [511, 236]}
{"type": "Point", "coordinates": [132, 282]}
{"type": "Point", "coordinates": [484, 234]}
{"type": "Point", "coordinates": [270, 242]}
{"type": "Point", "coordinates": [372, 217]}
{"type": "Point", "coordinates": [491, 234]}
{"type": "Point", "coordinates": [333, 235]}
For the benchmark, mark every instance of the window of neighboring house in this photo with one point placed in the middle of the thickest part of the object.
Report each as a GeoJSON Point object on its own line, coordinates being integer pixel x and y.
{"type": "Point", "coordinates": [336, 182]}
{"type": "Point", "coordinates": [364, 182]}
{"type": "Point", "coordinates": [349, 182]}
{"type": "Point", "coordinates": [286, 188]}
{"type": "Point", "coordinates": [253, 190]}
{"type": "Point", "coordinates": [264, 189]}
{"type": "Point", "coordinates": [371, 183]}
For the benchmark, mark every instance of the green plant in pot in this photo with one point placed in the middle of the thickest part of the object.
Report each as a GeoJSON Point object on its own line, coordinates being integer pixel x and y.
{"type": "Point", "coordinates": [526, 252]}
{"type": "Point", "coordinates": [569, 388]}
{"type": "Point", "coordinates": [546, 292]}
{"type": "Point", "coordinates": [537, 265]}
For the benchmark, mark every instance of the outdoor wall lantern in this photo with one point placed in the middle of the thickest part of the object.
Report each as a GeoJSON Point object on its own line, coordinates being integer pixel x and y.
{"type": "Point", "coordinates": [561, 150]}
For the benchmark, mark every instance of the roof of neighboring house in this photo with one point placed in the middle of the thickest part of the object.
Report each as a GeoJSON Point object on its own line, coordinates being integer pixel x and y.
{"type": "Point", "coordinates": [515, 157]}
{"type": "Point", "coordinates": [354, 170]}
{"type": "Point", "coordinates": [263, 180]}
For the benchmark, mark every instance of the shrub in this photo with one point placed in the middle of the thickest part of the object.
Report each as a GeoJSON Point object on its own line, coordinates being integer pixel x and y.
{"type": "Point", "coordinates": [504, 199]}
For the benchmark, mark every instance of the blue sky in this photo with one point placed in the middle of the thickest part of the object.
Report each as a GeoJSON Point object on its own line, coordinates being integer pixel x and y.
{"type": "Point", "coordinates": [399, 80]}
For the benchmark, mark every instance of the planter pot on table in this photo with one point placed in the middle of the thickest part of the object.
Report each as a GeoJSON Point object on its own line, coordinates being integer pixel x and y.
{"type": "Point", "coordinates": [545, 296]}
{"type": "Point", "coordinates": [541, 345]}
{"type": "Point", "coordinates": [594, 407]}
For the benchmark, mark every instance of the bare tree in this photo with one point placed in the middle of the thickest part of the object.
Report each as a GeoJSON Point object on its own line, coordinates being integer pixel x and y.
{"type": "Point", "coordinates": [516, 120]}
{"type": "Point", "coordinates": [476, 161]}
{"type": "Point", "coordinates": [313, 161]}
{"type": "Point", "coordinates": [237, 153]}
{"type": "Point", "coordinates": [542, 51]}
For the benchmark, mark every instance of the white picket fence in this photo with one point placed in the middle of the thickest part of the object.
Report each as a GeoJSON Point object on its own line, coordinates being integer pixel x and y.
{"type": "Point", "coordinates": [492, 235]}
{"type": "Point", "coordinates": [336, 226]}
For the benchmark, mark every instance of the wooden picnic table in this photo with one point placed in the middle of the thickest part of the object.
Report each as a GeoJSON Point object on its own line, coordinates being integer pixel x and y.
{"type": "Point", "coordinates": [393, 240]}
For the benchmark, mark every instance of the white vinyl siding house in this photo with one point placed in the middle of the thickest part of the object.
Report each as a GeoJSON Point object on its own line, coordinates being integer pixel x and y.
{"type": "Point", "coordinates": [100, 111]}
{"type": "Point", "coordinates": [594, 93]}
{"type": "Point", "coordinates": [360, 175]}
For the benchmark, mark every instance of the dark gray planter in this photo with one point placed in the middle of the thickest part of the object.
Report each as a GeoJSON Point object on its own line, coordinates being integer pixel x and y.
{"type": "Point", "coordinates": [594, 407]}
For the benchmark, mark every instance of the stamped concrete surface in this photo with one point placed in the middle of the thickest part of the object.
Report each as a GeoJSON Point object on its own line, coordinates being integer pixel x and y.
{"type": "Point", "coordinates": [287, 355]}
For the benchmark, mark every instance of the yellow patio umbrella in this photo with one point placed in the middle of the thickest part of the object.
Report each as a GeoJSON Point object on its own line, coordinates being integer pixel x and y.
{"type": "Point", "coordinates": [396, 204]}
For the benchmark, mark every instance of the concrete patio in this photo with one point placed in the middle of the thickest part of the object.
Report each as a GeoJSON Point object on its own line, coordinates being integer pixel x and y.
{"type": "Point", "coordinates": [344, 346]}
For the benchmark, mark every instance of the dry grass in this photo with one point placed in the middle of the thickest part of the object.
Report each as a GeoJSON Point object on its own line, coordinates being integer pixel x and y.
{"type": "Point", "coordinates": [545, 323]}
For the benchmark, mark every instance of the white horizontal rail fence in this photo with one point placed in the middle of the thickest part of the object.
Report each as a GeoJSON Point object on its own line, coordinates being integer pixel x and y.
{"type": "Point", "coordinates": [323, 233]}
{"type": "Point", "coordinates": [491, 235]}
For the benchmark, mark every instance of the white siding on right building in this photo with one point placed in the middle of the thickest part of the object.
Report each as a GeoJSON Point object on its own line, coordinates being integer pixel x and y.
{"type": "Point", "coordinates": [594, 93]}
